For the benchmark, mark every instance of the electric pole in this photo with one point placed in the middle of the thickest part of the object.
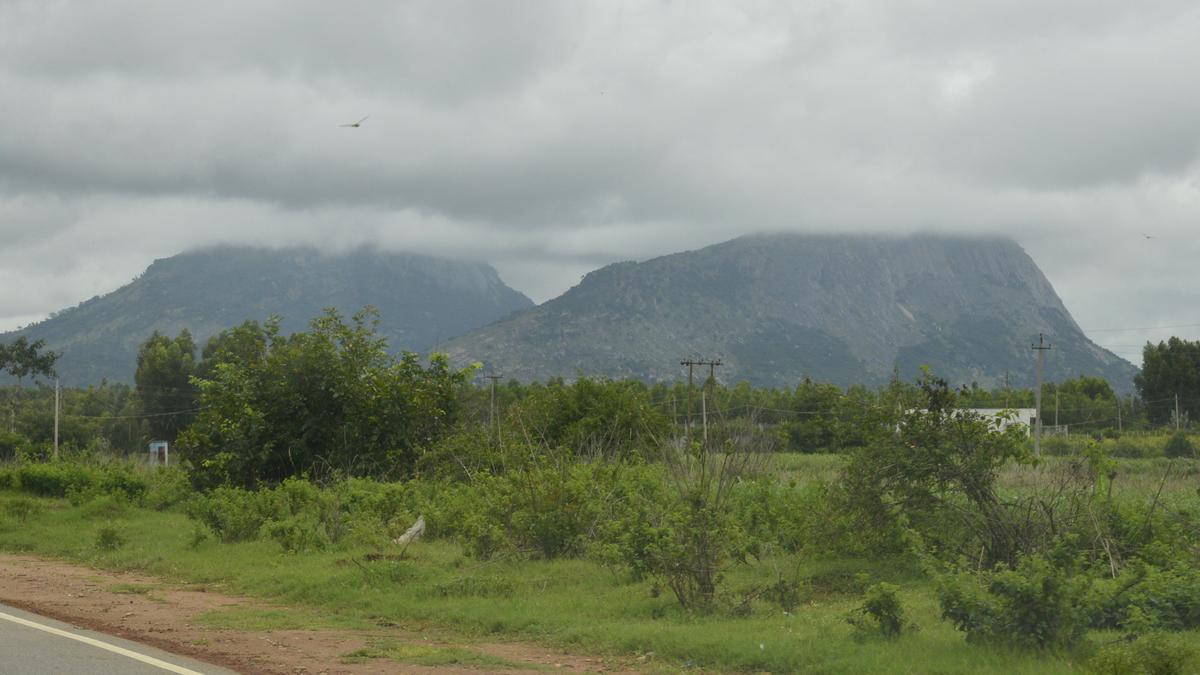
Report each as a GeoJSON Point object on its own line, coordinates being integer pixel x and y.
{"type": "Point", "coordinates": [1041, 347]}
{"type": "Point", "coordinates": [690, 365]}
{"type": "Point", "coordinates": [492, 409]}
{"type": "Point", "coordinates": [56, 395]}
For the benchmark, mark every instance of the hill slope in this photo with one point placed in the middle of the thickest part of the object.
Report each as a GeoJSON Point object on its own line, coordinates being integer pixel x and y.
{"type": "Point", "coordinates": [777, 308]}
{"type": "Point", "coordinates": [421, 300]}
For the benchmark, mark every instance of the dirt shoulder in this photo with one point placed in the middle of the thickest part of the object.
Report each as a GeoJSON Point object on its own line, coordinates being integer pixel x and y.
{"type": "Point", "coordinates": [146, 610]}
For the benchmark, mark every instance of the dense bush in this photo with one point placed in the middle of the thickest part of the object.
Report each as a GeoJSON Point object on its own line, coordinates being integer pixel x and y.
{"type": "Point", "coordinates": [301, 515]}
{"type": "Point", "coordinates": [589, 418]}
{"type": "Point", "coordinates": [935, 466]}
{"type": "Point", "coordinates": [330, 401]}
{"type": "Point", "coordinates": [1146, 597]}
{"type": "Point", "coordinates": [12, 445]}
{"type": "Point", "coordinates": [1153, 654]}
{"type": "Point", "coordinates": [881, 611]}
{"type": "Point", "coordinates": [55, 479]}
{"type": "Point", "coordinates": [1178, 445]}
{"type": "Point", "coordinates": [109, 538]}
{"type": "Point", "coordinates": [554, 511]}
{"type": "Point", "coordinates": [1035, 605]}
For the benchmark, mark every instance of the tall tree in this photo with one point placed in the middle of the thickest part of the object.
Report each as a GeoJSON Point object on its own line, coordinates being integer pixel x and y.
{"type": "Point", "coordinates": [323, 402]}
{"type": "Point", "coordinates": [164, 369]}
{"type": "Point", "coordinates": [23, 358]}
{"type": "Point", "coordinates": [1170, 369]}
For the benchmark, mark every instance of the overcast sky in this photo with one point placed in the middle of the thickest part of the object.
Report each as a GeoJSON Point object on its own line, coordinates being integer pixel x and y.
{"type": "Point", "coordinates": [550, 138]}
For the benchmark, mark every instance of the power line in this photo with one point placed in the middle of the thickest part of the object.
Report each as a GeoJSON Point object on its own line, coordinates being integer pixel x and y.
{"type": "Point", "coordinates": [132, 417]}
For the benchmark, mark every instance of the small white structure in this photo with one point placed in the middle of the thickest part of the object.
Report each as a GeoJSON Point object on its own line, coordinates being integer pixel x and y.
{"type": "Point", "coordinates": [1008, 417]}
{"type": "Point", "coordinates": [158, 453]}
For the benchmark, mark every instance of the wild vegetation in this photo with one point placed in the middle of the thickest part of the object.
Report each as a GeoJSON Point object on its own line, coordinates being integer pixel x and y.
{"type": "Point", "coordinates": [817, 529]}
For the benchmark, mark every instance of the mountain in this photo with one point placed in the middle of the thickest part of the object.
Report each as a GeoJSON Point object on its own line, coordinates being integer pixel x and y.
{"type": "Point", "coordinates": [778, 308]}
{"type": "Point", "coordinates": [421, 300]}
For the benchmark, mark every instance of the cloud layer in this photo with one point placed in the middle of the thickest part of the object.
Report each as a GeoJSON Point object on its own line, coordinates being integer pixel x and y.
{"type": "Point", "coordinates": [550, 138]}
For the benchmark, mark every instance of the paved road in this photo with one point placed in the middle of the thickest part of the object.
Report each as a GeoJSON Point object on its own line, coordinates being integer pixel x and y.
{"type": "Point", "coordinates": [34, 645]}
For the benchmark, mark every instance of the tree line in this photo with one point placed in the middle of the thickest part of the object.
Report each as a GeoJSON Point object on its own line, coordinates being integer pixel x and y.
{"type": "Point", "coordinates": [253, 402]}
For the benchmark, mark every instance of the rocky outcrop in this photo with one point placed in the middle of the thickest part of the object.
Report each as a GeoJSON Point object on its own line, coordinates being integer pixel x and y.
{"type": "Point", "coordinates": [778, 308]}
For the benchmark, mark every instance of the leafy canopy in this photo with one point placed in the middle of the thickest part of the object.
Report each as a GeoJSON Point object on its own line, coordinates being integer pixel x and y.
{"type": "Point", "coordinates": [22, 358]}
{"type": "Point", "coordinates": [164, 370]}
{"type": "Point", "coordinates": [324, 402]}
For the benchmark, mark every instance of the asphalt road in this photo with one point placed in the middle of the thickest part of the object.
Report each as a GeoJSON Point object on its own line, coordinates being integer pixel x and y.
{"type": "Point", "coordinates": [35, 645]}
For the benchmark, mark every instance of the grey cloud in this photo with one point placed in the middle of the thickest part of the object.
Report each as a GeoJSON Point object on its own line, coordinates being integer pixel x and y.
{"type": "Point", "coordinates": [550, 138]}
{"type": "Point", "coordinates": [447, 50]}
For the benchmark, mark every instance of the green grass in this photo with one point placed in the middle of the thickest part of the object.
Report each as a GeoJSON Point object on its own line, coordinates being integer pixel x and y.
{"type": "Point", "coordinates": [133, 589]}
{"type": "Point", "coordinates": [427, 655]}
{"type": "Point", "coordinates": [281, 618]}
{"type": "Point", "coordinates": [803, 468]}
{"type": "Point", "coordinates": [574, 604]}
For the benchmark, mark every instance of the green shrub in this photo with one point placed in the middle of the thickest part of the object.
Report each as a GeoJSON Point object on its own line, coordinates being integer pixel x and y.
{"type": "Point", "coordinates": [464, 455]}
{"type": "Point", "coordinates": [550, 512]}
{"type": "Point", "coordinates": [12, 445]}
{"type": "Point", "coordinates": [786, 593]}
{"type": "Point", "coordinates": [881, 611]}
{"type": "Point", "coordinates": [1178, 445]}
{"type": "Point", "coordinates": [233, 514]}
{"type": "Point", "coordinates": [1033, 606]}
{"type": "Point", "coordinates": [691, 534]}
{"type": "Point", "coordinates": [1149, 597]}
{"type": "Point", "coordinates": [298, 514]}
{"type": "Point", "coordinates": [298, 534]}
{"type": "Point", "coordinates": [1154, 654]}
{"type": "Point", "coordinates": [54, 479]}
{"type": "Point", "coordinates": [122, 481]}
{"type": "Point", "coordinates": [109, 538]}
{"type": "Point", "coordinates": [167, 487]}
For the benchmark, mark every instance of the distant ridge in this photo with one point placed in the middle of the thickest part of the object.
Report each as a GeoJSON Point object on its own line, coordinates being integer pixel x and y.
{"type": "Point", "coordinates": [421, 300]}
{"type": "Point", "coordinates": [778, 308]}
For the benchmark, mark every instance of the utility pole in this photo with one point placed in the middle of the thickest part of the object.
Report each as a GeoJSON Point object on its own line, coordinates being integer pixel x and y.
{"type": "Point", "coordinates": [1056, 409]}
{"type": "Point", "coordinates": [1041, 347]}
{"type": "Point", "coordinates": [690, 365]}
{"type": "Point", "coordinates": [687, 423]}
{"type": "Point", "coordinates": [56, 418]}
{"type": "Point", "coordinates": [492, 409]}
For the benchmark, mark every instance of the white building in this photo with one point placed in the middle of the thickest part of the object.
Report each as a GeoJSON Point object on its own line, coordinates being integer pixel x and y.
{"type": "Point", "coordinates": [1008, 417]}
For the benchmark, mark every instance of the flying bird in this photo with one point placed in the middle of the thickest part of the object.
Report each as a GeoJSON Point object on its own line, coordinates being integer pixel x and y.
{"type": "Point", "coordinates": [1148, 236]}
{"type": "Point", "coordinates": [356, 124]}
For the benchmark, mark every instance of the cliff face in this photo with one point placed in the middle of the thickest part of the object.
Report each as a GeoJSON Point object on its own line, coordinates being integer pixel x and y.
{"type": "Point", "coordinates": [777, 308]}
{"type": "Point", "coordinates": [421, 300]}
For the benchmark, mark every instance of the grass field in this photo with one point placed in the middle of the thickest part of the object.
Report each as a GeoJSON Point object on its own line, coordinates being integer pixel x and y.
{"type": "Point", "coordinates": [577, 604]}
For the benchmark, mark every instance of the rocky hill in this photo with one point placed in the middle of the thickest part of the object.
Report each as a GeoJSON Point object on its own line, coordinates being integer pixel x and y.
{"type": "Point", "coordinates": [421, 300]}
{"type": "Point", "coordinates": [778, 308]}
